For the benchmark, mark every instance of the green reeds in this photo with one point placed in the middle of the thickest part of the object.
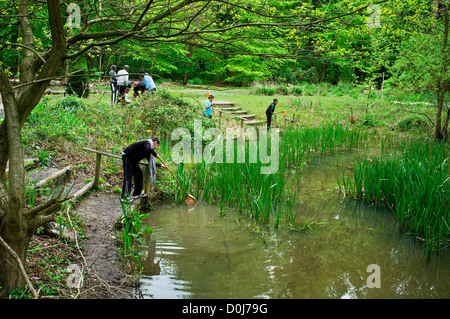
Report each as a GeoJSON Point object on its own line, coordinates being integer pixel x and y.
{"type": "Point", "coordinates": [132, 231]}
{"type": "Point", "coordinates": [267, 198]}
{"type": "Point", "coordinates": [414, 183]}
{"type": "Point", "coordinates": [299, 146]}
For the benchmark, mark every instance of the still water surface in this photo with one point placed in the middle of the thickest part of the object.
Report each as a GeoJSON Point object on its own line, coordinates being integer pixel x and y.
{"type": "Point", "coordinates": [196, 253]}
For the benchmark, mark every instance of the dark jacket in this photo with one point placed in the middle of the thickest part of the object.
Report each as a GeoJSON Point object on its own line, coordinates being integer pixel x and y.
{"type": "Point", "coordinates": [140, 150]}
{"type": "Point", "coordinates": [271, 109]}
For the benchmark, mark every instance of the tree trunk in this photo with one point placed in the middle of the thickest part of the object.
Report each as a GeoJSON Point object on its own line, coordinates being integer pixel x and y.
{"type": "Point", "coordinates": [10, 276]}
{"type": "Point", "coordinates": [188, 56]}
{"type": "Point", "coordinates": [65, 78]}
{"type": "Point", "coordinates": [12, 224]}
{"type": "Point", "coordinates": [445, 128]}
{"type": "Point", "coordinates": [89, 62]}
{"type": "Point", "coordinates": [17, 226]}
{"type": "Point", "coordinates": [436, 11]}
{"type": "Point", "coordinates": [100, 65]}
{"type": "Point", "coordinates": [441, 87]}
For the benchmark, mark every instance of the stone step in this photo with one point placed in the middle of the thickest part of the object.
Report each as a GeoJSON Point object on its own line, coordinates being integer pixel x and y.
{"type": "Point", "coordinates": [223, 103]}
{"type": "Point", "coordinates": [229, 108]}
{"type": "Point", "coordinates": [255, 122]}
{"type": "Point", "coordinates": [247, 117]}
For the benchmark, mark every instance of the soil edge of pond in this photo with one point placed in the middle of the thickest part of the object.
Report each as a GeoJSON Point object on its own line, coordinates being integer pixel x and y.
{"type": "Point", "coordinates": [107, 277]}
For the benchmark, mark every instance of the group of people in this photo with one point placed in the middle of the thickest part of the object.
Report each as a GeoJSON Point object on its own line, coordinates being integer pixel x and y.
{"type": "Point", "coordinates": [120, 84]}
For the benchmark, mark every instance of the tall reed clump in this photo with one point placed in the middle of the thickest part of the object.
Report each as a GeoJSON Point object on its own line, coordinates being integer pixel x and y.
{"type": "Point", "coordinates": [266, 198]}
{"type": "Point", "coordinates": [299, 146]}
{"type": "Point", "coordinates": [414, 183]}
{"type": "Point", "coordinates": [132, 231]}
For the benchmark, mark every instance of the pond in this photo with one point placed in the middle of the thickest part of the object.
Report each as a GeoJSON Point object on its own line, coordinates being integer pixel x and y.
{"type": "Point", "coordinates": [196, 253]}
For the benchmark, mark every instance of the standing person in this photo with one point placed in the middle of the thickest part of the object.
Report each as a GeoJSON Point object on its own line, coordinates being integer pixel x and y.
{"type": "Point", "coordinates": [113, 84]}
{"type": "Point", "coordinates": [208, 106]}
{"type": "Point", "coordinates": [131, 156]}
{"type": "Point", "coordinates": [269, 112]}
{"type": "Point", "coordinates": [122, 82]}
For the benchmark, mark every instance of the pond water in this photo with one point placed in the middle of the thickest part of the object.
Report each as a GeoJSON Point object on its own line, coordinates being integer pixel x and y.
{"type": "Point", "coordinates": [196, 253]}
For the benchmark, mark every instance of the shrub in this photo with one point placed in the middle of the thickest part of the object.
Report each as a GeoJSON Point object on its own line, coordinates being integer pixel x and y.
{"type": "Point", "coordinates": [196, 81]}
{"type": "Point", "coordinates": [71, 103]}
{"type": "Point", "coordinates": [410, 122]}
{"type": "Point", "coordinates": [78, 84]}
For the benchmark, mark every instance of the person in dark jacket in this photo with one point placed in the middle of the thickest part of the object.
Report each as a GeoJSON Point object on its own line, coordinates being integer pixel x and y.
{"type": "Point", "coordinates": [113, 84]}
{"type": "Point", "coordinates": [269, 112]}
{"type": "Point", "coordinates": [131, 156]}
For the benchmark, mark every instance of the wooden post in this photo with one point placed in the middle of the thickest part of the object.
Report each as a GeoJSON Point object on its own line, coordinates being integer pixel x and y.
{"type": "Point", "coordinates": [274, 120]}
{"type": "Point", "coordinates": [97, 170]}
{"type": "Point", "coordinates": [285, 123]}
{"type": "Point", "coordinates": [242, 127]}
{"type": "Point", "coordinates": [220, 119]}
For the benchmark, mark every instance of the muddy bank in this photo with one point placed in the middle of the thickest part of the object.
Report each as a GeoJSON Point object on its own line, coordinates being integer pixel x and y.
{"type": "Point", "coordinates": [106, 278]}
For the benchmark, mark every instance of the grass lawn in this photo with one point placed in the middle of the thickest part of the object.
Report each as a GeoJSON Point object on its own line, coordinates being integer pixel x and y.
{"type": "Point", "coordinates": [314, 110]}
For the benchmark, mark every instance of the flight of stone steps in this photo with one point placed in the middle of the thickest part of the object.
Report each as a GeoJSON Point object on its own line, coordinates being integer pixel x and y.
{"type": "Point", "coordinates": [237, 112]}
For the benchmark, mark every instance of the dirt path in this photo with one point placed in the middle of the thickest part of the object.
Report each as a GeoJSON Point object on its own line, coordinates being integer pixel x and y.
{"type": "Point", "coordinates": [106, 279]}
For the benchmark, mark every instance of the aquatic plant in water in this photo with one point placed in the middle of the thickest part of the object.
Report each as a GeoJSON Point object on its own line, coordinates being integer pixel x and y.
{"type": "Point", "coordinates": [132, 231]}
{"type": "Point", "coordinates": [414, 182]}
{"type": "Point", "coordinates": [267, 198]}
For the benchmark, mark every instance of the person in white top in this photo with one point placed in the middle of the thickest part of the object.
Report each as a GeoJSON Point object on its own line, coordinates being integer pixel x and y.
{"type": "Point", "coordinates": [122, 82]}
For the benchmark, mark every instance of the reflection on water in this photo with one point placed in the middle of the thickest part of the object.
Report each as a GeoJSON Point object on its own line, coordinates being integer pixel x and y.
{"type": "Point", "coordinates": [195, 253]}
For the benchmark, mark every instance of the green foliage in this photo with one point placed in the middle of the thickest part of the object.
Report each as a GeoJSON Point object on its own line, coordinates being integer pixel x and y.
{"type": "Point", "coordinates": [133, 232]}
{"type": "Point", "coordinates": [409, 122]}
{"type": "Point", "coordinates": [196, 81]}
{"type": "Point", "coordinates": [412, 179]}
{"type": "Point", "coordinates": [265, 198]}
{"type": "Point", "coordinates": [305, 88]}
{"type": "Point", "coordinates": [43, 156]}
{"type": "Point", "coordinates": [369, 119]}
{"type": "Point", "coordinates": [78, 84]}
{"type": "Point", "coordinates": [70, 103]}
{"type": "Point", "coordinates": [417, 65]}
{"type": "Point", "coordinates": [50, 122]}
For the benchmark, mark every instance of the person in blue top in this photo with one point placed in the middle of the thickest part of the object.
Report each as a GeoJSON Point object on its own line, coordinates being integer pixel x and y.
{"type": "Point", "coordinates": [269, 112]}
{"type": "Point", "coordinates": [146, 84]}
{"type": "Point", "coordinates": [208, 106]}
